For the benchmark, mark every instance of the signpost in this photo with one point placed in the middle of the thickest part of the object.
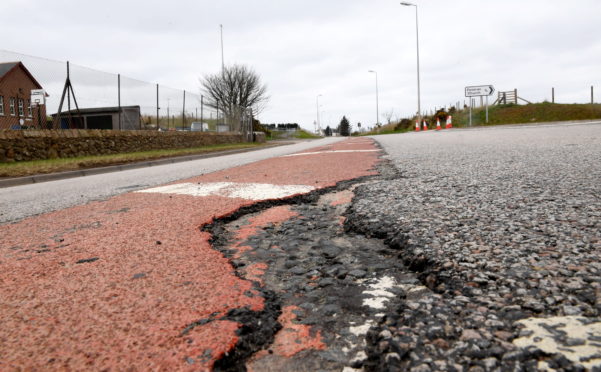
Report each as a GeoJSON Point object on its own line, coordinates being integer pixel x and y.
{"type": "Point", "coordinates": [479, 91]}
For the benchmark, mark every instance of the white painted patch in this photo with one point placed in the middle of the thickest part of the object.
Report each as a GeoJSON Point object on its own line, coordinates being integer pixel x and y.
{"type": "Point", "coordinates": [376, 302]}
{"type": "Point", "coordinates": [328, 152]}
{"type": "Point", "coordinates": [249, 191]}
{"type": "Point", "coordinates": [380, 292]}
{"type": "Point", "coordinates": [361, 330]}
{"type": "Point", "coordinates": [359, 357]}
{"type": "Point", "coordinates": [585, 352]}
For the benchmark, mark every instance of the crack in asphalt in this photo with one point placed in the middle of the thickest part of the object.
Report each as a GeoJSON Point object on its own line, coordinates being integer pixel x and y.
{"type": "Point", "coordinates": [326, 283]}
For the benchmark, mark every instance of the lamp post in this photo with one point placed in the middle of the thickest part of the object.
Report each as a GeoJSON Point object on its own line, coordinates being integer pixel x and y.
{"type": "Point", "coordinates": [317, 107]}
{"type": "Point", "coordinates": [419, 110]}
{"type": "Point", "coordinates": [222, 61]}
{"type": "Point", "coordinates": [377, 99]}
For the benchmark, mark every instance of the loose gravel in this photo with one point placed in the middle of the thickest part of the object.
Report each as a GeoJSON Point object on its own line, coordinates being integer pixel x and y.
{"type": "Point", "coordinates": [502, 226]}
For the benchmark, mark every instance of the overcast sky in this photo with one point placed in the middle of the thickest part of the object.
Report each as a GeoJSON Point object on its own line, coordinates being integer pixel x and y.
{"type": "Point", "coordinates": [310, 47]}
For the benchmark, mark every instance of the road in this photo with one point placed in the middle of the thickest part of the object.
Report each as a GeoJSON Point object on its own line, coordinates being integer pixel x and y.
{"type": "Point", "coordinates": [502, 225]}
{"type": "Point", "coordinates": [133, 280]}
{"type": "Point", "coordinates": [472, 249]}
{"type": "Point", "coordinates": [23, 201]}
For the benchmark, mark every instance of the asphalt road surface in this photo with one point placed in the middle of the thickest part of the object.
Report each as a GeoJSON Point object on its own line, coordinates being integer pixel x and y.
{"type": "Point", "coordinates": [502, 225]}
{"type": "Point", "coordinates": [452, 250]}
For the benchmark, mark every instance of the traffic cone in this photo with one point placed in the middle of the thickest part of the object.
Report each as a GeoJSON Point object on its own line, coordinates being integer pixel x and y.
{"type": "Point", "coordinates": [449, 122]}
{"type": "Point", "coordinates": [438, 124]}
{"type": "Point", "coordinates": [425, 125]}
{"type": "Point", "coordinates": [417, 126]}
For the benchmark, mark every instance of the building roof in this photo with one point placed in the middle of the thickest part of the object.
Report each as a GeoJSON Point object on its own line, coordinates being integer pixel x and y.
{"type": "Point", "coordinates": [98, 110]}
{"type": "Point", "coordinates": [7, 67]}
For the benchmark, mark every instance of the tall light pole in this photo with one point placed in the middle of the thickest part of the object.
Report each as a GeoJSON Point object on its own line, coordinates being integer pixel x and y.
{"type": "Point", "coordinates": [419, 109]}
{"type": "Point", "coordinates": [317, 107]}
{"type": "Point", "coordinates": [222, 60]}
{"type": "Point", "coordinates": [377, 99]}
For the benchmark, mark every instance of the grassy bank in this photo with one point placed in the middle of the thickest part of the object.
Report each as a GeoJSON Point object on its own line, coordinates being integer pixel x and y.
{"type": "Point", "coordinates": [29, 168]}
{"type": "Point", "coordinates": [506, 114]}
{"type": "Point", "coordinates": [299, 134]}
{"type": "Point", "coordinates": [531, 113]}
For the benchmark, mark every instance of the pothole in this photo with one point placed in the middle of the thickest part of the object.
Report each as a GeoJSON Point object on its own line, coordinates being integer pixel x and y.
{"type": "Point", "coordinates": [331, 285]}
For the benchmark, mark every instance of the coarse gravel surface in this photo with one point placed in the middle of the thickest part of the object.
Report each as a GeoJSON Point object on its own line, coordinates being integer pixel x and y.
{"type": "Point", "coordinates": [503, 226]}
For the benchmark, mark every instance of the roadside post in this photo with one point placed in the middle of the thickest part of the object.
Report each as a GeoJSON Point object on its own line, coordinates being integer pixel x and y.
{"type": "Point", "coordinates": [479, 91]}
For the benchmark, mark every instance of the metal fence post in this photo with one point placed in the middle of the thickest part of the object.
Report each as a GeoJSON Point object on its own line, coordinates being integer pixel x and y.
{"type": "Point", "coordinates": [486, 109]}
{"type": "Point", "coordinates": [202, 98]}
{"type": "Point", "coordinates": [184, 112]}
{"type": "Point", "coordinates": [158, 120]}
{"type": "Point", "coordinates": [552, 95]}
{"type": "Point", "coordinates": [592, 96]}
{"type": "Point", "coordinates": [119, 98]}
{"type": "Point", "coordinates": [471, 105]}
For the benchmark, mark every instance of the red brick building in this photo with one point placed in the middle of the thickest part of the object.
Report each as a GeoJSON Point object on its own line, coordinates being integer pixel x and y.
{"type": "Point", "coordinates": [16, 83]}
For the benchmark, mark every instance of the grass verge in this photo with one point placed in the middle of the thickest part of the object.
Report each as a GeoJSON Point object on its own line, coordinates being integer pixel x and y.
{"type": "Point", "coordinates": [29, 168]}
{"type": "Point", "coordinates": [531, 113]}
{"type": "Point", "coordinates": [509, 114]}
{"type": "Point", "coordinates": [299, 134]}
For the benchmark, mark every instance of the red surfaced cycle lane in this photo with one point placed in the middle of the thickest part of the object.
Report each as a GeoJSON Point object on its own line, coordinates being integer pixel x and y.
{"type": "Point", "coordinates": [115, 284]}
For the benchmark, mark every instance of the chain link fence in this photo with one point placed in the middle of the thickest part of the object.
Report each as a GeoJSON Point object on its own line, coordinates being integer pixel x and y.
{"type": "Point", "coordinates": [39, 93]}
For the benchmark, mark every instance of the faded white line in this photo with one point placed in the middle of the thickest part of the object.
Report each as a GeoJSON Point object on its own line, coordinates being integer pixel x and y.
{"type": "Point", "coordinates": [249, 191]}
{"type": "Point", "coordinates": [380, 293]}
{"type": "Point", "coordinates": [328, 152]}
{"type": "Point", "coordinates": [574, 337]}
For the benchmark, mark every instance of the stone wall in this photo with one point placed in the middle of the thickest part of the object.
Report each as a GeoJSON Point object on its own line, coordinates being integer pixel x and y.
{"type": "Point", "coordinates": [23, 145]}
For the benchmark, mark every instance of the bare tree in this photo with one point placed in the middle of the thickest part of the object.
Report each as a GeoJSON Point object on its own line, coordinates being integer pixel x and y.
{"type": "Point", "coordinates": [388, 115]}
{"type": "Point", "coordinates": [237, 88]}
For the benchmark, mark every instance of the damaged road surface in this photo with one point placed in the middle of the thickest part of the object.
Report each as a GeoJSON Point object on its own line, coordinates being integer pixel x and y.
{"type": "Point", "coordinates": [133, 282]}
{"type": "Point", "coordinates": [463, 250]}
{"type": "Point", "coordinates": [328, 286]}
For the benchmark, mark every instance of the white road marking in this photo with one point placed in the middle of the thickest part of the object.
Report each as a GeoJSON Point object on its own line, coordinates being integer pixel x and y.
{"type": "Point", "coordinates": [361, 330]}
{"type": "Point", "coordinates": [549, 334]}
{"type": "Point", "coordinates": [249, 191]}
{"type": "Point", "coordinates": [380, 292]}
{"type": "Point", "coordinates": [327, 152]}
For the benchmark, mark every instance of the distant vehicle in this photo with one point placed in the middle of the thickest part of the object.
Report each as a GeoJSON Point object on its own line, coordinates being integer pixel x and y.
{"type": "Point", "coordinates": [197, 126]}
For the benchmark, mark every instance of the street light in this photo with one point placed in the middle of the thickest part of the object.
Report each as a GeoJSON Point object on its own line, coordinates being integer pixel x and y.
{"type": "Point", "coordinates": [419, 110]}
{"type": "Point", "coordinates": [377, 99]}
{"type": "Point", "coordinates": [317, 106]}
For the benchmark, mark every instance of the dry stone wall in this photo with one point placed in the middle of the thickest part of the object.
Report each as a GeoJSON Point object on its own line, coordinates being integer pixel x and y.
{"type": "Point", "coordinates": [49, 144]}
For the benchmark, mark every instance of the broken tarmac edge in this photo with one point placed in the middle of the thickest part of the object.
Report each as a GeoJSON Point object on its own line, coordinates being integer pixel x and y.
{"type": "Point", "coordinates": [258, 329]}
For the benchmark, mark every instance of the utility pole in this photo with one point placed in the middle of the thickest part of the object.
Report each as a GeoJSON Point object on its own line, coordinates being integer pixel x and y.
{"type": "Point", "coordinates": [222, 59]}
{"type": "Point", "coordinates": [377, 100]}
{"type": "Point", "coordinates": [419, 110]}
{"type": "Point", "coordinates": [317, 106]}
